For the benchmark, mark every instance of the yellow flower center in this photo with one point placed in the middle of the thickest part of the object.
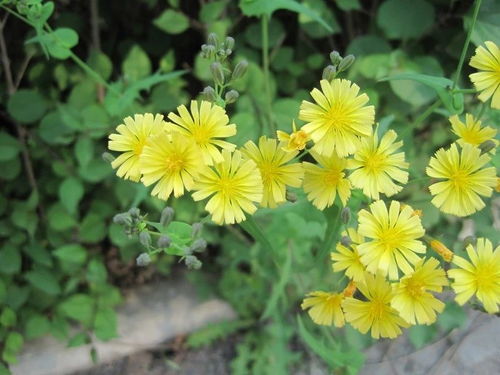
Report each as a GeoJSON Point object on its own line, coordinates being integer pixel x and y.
{"type": "Point", "coordinates": [415, 288]}
{"type": "Point", "coordinates": [174, 163]}
{"type": "Point", "coordinates": [226, 186]}
{"type": "Point", "coordinates": [298, 140]}
{"type": "Point", "coordinates": [337, 117]}
{"type": "Point", "coordinates": [332, 177]}
{"type": "Point", "coordinates": [390, 238]}
{"type": "Point", "coordinates": [486, 276]}
{"type": "Point", "coordinates": [377, 309]}
{"type": "Point", "coordinates": [472, 137]}
{"type": "Point", "coordinates": [460, 179]}
{"type": "Point", "coordinates": [201, 135]}
{"type": "Point", "coordinates": [375, 161]}
{"type": "Point", "coordinates": [268, 171]}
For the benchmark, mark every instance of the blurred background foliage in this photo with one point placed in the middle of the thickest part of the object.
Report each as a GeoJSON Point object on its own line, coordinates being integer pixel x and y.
{"type": "Point", "coordinates": [63, 261]}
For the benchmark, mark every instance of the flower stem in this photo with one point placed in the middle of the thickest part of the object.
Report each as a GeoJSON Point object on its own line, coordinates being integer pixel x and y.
{"type": "Point", "coordinates": [477, 5]}
{"type": "Point", "coordinates": [265, 68]}
{"type": "Point", "coordinates": [332, 231]}
{"type": "Point", "coordinates": [254, 230]}
{"type": "Point", "coordinates": [482, 110]}
{"type": "Point", "coordinates": [426, 114]}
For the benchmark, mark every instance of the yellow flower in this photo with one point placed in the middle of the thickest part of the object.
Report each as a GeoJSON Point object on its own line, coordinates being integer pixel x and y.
{"type": "Point", "coordinates": [322, 183]}
{"type": "Point", "coordinates": [296, 141]}
{"type": "Point", "coordinates": [338, 119]}
{"type": "Point", "coordinates": [377, 165]}
{"type": "Point", "coordinates": [480, 276]}
{"type": "Point", "coordinates": [376, 313]}
{"type": "Point", "coordinates": [464, 180]}
{"type": "Point", "coordinates": [205, 125]}
{"type": "Point", "coordinates": [171, 160]}
{"type": "Point", "coordinates": [471, 132]}
{"type": "Point", "coordinates": [487, 80]}
{"type": "Point", "coordinates": [130, 141]}
{"type": "Point", "coordinates": [235, 186]}
{"type": "Point", "coordinates": [411, 297]}
{"type": "Point", "coordinates": [347, 258]}
{"type": "Point", "coordinates": [324, 308]}
{"type": "Point", "coordinates": [394, 233]}
{"type": "Point", "coordinates": [270, 160]}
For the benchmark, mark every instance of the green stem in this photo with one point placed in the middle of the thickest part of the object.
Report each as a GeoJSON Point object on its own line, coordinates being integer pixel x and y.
{"type": "Point", "coordinates": [253, 229]}
{"type": "Point", "coordinates": [265, 67]}
{"type": "Point", "coordinates": [91, 72]}
{"type": "Point", "coordinates": [332, 231]}
{"type": "Point", "coordinates": [426, 114]}
{"type": "Point", "coordinates": [477, 5]}
{"type": "Point", "coordinates": [481, 111]}
{"type": "Point", "coordinates": [463, 91]}
{"type": "Point", "coordinates": [418, 180]}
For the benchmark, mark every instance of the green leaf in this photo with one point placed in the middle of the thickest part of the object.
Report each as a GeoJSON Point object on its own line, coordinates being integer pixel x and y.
{"type": "Point", "coordinates": [4, 370]}
{"type": "Point", "coordinates": [101, 64]}
{"type": "Point", "coordinates": [79, 307]}
{"type": "Point", "coordinates": [44, 280]}
{"type": "Point", "coordinates": [17, 296]}
{"type": "Point", "coordinates": [84, 151]}
{"type": "Point", "coordinates": [79, 339]}
{"type": "Point", "coordinates": [348, 4]}
{"type": "Point", "coordinates": [92, 228]}
{"type": "Point", "coordinates": [452, 317]}
{"type": "Point", "coordinates": [10, 169]}
{"type": "Point", "coordinates": [105, 324]}
{"type": "Point", "coordinates": [73, 254]}
{"type": "Point", "coordinates": [36, 326]}
{"type": "Point", "coordinates": [314, 29]}
{"type": "Point", "coordinates": [266, 7]}
{"type": "Point", "coordinates": [10, 260]}
{"type": "Point", "coordinates": [136, 65]}
{"type": "Point", "coordinates": [317, 346]}
{"type": "Point", "coordinates": [25, 217]}
{"type": "Point", "coordinates": [9, 147]}
{"type": "Point", "coordinates": [26, 106]}
{"type": "Point", "coordinates": [14, 342]}
{"type": "Point", "coordinates": [368, 45]}
{"type": "Point", "coordinates": [405, 19]}
{"type": "Point", "coordinates": [53, 130]}
{"type": "Point", "coordinates": [213, 332]}
{"type": "Point", "coordinates": [70, 193]}
{"type": "Point", "coordinates": [487, 25]}
{"type": "Point", "coordinates": [96, 272]}
{"type": "Point", "coordinates": [172, 22]}
{"type": "Point", "coordinates": [3, 291]}
{"type": "Point", "coordinates": [58, 43]}
{"type": "Point", "coordinates": [59, 218]}
{"type": "Point", "coordinates": [8, 317]}
{"type": "Point", "coordinates": [420, 335]}
{"type": "Point", "coordinates": [211, 11]}
{"type": "Point", "coordinates": [279, 288]}
{"type": "Point", "coordinates": [248, 128]}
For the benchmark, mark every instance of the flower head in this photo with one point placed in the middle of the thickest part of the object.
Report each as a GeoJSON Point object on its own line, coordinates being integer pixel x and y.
{"type": "Point", "coordinates": [235, 186]}
{"type": "Point", "coordinates": [376, 313]}
{"type": "Point", "coordinates": [324, 308]}
{"type": "Point", "coordinates": [471, 132]}
{"type": "Point", "coordinates": [338, 118]}
{"type": "Point", "coordinates": [464, 179]}
{"type": "Point", "coordinates": [172, 161]}
{"type": "Point", "coordinates": [480, 276]}
{"type": "Point", "coordinates": [323, 182]}
{"type": "Point", "coordinates": [347, 258]}
{"type": "Point", "coordinates": [376, 165]}
{"type": "Point", "coordinates": [394, 235]}
{"type": "Point", "coordinates": [205, 125]}
{"type": "Point", "coordinates": [130, 140]}
{"type": "Point", "coordinates": [295, 141]}
{"type": "Point", "coordinates": [276, 174]}
{"type": "Point", "coordinates": [487, 80]}
{"type": "Point", "coordinates": [412, 298]}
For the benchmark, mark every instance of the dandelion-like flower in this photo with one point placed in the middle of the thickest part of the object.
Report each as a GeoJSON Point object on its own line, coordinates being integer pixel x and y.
{"type": "Point", "coordinates": [234, 185]}
{"type": "Point", "coordinates": [295, 141]}
{"type": "Point", "coordinates": [471, 132]}
{"type": "Point", "coordinates": [412, 298]}
{"type": "Point", "coordinates": [394, 235]}
{"type": "Point", "coordinates": [206, 124]}
{"type": "Point", "coordinates": [376, 313]}
{"type": "Point", "coordinates": [323, 182]}
{"type": "Point", "coordinates": [465, 179]}
{"type": "Point", "coordinates": [487, 80]}
{"type": "Point", "coordinates": [376, 165]}
{"type": "Point", "coordinates": [480, 276]}
{"type": "Point", "coordinates": [171, 161]}
{"type": "Point", "coordinates": [130, 140]}
{"type": "Point", "coordinates": [276, 174]}
{"type": "Point", "coordinates": [338, 118]}
{"type": "Point", "coordinates": [347, 258]}
{"type": "Point", "coordinates": [324, 308]}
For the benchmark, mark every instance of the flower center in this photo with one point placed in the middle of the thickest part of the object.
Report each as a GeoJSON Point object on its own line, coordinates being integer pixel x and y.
{"type": "Point", "coordinates": [374, 162]}
{"type": "Point", "coordinates": [472, 137]}
{"type": "Point", "coordinates": [337, 117]}
{"type": "Point", "coordinates": [378, 308]}
{"type": "Point", "coordinates": [174, 163]}
{"type": "Point", "coordinates": [332, 177]}
{"type": "Point", "coordinates": [486, 276]}
{"type": "Point", "coordinates": [389, 238]}
{"type": "Point", "coordinates": [226, 186]}
{"type": "Point", "coordinates": [414, 287]}
{"type": "Point", "coordinates": [298, 140]}
{"type": "Point", "coordinates": [459, 179]}
{"type": "Point", "coordinates": [268, 172]}
{"type": "Point", "coordinates": [201, 135]}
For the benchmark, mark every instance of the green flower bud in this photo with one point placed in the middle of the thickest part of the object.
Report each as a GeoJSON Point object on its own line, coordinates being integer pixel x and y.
{"type": "Point", "coordinates": [329, 73]}
{"type": "Point", "coordinates": [487, 146]}
{"type": "Point", "coordinates": [345, 215]}
{"type": "Point", "coordinates": [166, 216]}
{"type": "Point", "coordinates": [196, 230]}
{"type": "Point", "coordinates": [346, 63]}
{"type": "Point", "coordinates": [134, 212]}
{"type": "Point", "coordinates": [192, 262]}
{"type": "Point", "coordinates": [335, 58]}
{"type": "Point", "coordinates": [107, 157]}
{"type": "Point", "coordinates": [212, 39]}
{"type": "Point", "coordinates": [229, 42]}
{"type": "Point", "coordinates": [207, 51]}
{"type": "Point", "coordinates": [123, 218]}
{"type": "Point", "coordinates": [291, 197]}
{"type": "Point", "coordinates": [198, 246]}
{"type": "Point", "coordinates": [209, 94]}
{"type": "Point", "coordinates": [217, 73]}
{"type": "Point", "coordinates": [469, 240]}
{"type": "Point", "coordinates": [163, 242]}
{"type": "Point", "coordinates": [346, 241]}
{"type": "Point", "coordinates": [143, 260]}
{"type": "Point", "coordinates": [239, 70]}
{"type": "Point", "coordinates": [231, 96]}
{"type": "Point", "coordinates": [145, 239]}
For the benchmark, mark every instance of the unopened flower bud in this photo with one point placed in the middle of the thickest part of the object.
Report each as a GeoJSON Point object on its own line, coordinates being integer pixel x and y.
{"type": "Point", "coordinates": [345, 241]}
{"type": "Point", "coordinates": [212, 39]}
{"type": "Point", "coordinates": [239, 70]}
{"type": "Point", "coordinates": [198, 246]}
{"type": "Point", "coordinates": [207, 51]}
{"type": "Point", "coordinates": [164, 241]}
{"type": "Point", "coordinates": [196, 230]}
{"type": "Point", "coordinates": [228, 52]}
{"type": "Point", "coordinates": [329, 73]}
{"type": "Point", "coordinates": [166, 216]}
{"type": "Point", "coordinates": [345, 215]}
{"type": "Point", "coordinates": [192, 262]}
{"type": "Point", "coordinates": [229, 43]}
{"type": "Point", "coordinates": [231, 96]}
{"type": "Point", "coordinates": [209, 94]}
{"type": "Point", "coordinates": [487, 146]}
{"type": "Point", "coordinates": [469, 240]}
{"type": "Point", "coordinates": [145, 239]}
{"type": "Point", "coordinates": [335, 58]}
{"type": "Point", "coordinates": [134, 212]}
{"type": "Point", "coordinates": [123, 218]}
{"type": "Point", "coordinates": [217, 73]}
{"type": "Point", "coordinates": [350, 289]}
{"type": "Point", "coordinates": [143, 260]}
{"type": "Point", "coordinates": [441, 249]}
{"type": "Point", "coordinates": [291, 196]}
{"type": "Point", "coordinates": [346, 63]}
{"type": "Point", "coordinates": [107, 157]}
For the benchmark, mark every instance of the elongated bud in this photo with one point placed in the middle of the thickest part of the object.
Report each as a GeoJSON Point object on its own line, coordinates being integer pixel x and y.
{"type": "Point", "coordinates": [107, 157]}
{"type": "Point", "coordinates": [145, 239]}
{"type": "Point", "coordinates": [134, 212]}
{"type": "Point", "coordinates": [239, 70]}
{"type": "Point", "coordinates": [143, 260]}
{"type": "Point", "coordinates": [228, 52]}
{"type": "Point", "coordinates": [346, 63]}
{"type": "Point", "coordinates": [207, 51]}
{"type": "Point", "coordinates": [329, 73]}
{"type": "Point", "coordinates": [198, 246]}
{"type": "Point", "coordinates": [196, 230]}
{"type": "Point", "coordinates": [439, 248]}
{"type": "Point", "coordinates": [209, 94]}
{"type": "Point", "coordinates": [291, 196]}
{"type": "Point", "coordinates": [345, 215]}
{"type": "Point", "coordinates": [469, 240]}
{"type": "Point", "coordinates": [212, 39]}
{"type": "Point", "coordinates": [192, 262]}
{"type": "Point", "coordinates": [335, 58]}
{"type": "Point", "coordinates": [123, 218]}
{"type": "Point", "coordinates": [346, 241]}
{"type": "Point", "coordinates": [229, 42]}
{"type": "Point", "coordinates": [166, 216]}
{"type": "Point", "coordinates": [217, 73]}
{"type": "Point", "coordinates": [350, 289]}
{"type": "Point", "coordinates": [487, 146]}
{"type": "Point", "coordinates": [231, 96]}
{"type": "Point", "coordinates": [164, 241]}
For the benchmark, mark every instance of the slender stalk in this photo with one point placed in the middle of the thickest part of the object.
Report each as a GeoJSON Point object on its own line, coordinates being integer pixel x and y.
{"type": "Point", "coordinates": [477, 5]}
{"type": "Point", "coordinates": [265, 67]}
{"type": "Point", "coordinates": [482, 110]}
{"type": "Point", "coordinates": [331, 234]}
{"type": "Point", "coordinates": [426, 114]}
{"type": "Point", "coordinates": [91, 72]}
{"type": "Point", "coordinates": [253, 229]}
